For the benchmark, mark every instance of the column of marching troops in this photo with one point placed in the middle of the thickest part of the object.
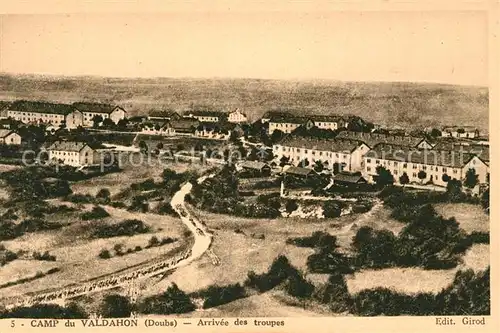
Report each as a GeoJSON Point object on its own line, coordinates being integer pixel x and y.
{"type": "Point", "coordinates": [102, 284]}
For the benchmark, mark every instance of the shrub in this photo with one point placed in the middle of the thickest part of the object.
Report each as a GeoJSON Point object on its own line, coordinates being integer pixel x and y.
{"type": "Point", "coordinates": [279, 270]}
{"type": "Point", "coordinates": [72, 311]}
{"type": "Point", "coordinates": [335, 294]}
{"type": "Point", "coordinates": [172, 301]}
{"type": "Point", "coordinates": [97, 212]}
{"type": "Point", "coordinates": [153, 241]}
{"type": "Point", "coordinates": [115, 306]}
{"type": "Point", "coordinates": [218, 295]}
{"type": "Point", "coordinates": [331, 209]}
{"type": "Point", "coordinates": [291, 206]}
{"type": "Point", "coordinates": [103, 196]}
{"type": "Point", "coordinates": [104, 254]}
{"type": "Point", "coordinates": [297, 286]}
{"type": "Point", "coordinates": [124, 228]}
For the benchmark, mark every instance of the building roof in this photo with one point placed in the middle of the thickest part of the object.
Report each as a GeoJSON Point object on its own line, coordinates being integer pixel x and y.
{"type": "Point", "coordinates": [465, 128]}
{"type": "Point", "coordinates": [237, 110]}
{"type": "Point", "coordinates": [329, 118]}
{"type": "Point", "coordinates": [5, 132]}
{"type": "Point", "coordinates": [184, 124]}
{"type": "Point", "coordinates": [353, 178]}
{"type": "Point", "coordinates": [254, 165]}
{"type": "Point", "coordinates": [445, 158]}
{"type": "Point", "coordinates": [41, 107]}
{"type": "Point", "coordinates": [4, 105]}
{"type": "Point", "coordinates": [373, 139]}
{"type": "Point", "coordinates": [288, 118]}
{"type": "Point", "coordinates": [298, 171]}
{"type": "Point", "coordinates": [334, 145]}
{"type": "Point", "coordinates": [94, 107]}
{"type": "Point", "coordinates": [74, 146]}
{"type": "Point", "coordinates": [163, 114]}
{"type": "Point", "coordinates": [275, 113]}
{"type": "Point", "coordinates": [482, 151]}
{"type": "Point", "coordinates": [206, 113]}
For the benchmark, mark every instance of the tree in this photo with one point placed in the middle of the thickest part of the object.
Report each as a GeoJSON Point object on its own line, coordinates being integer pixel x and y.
{"type": "Point", "coordinates": [159, 145]}
{"type": "Point", "coordinates": [173, 300]}
{"type": "Point", "coordinates": [331, 209]}
{"type": "Point", "coordinates": [435, 133]}
{"type": "Point", "coordinates": [298, 286]}
{"type": "Point", "coordinates": [422, 175]}
{"type": "Point", "coordinates": [122, 123]}
{"type": "Point", "coordinates": [104, 195]}
{"type": "Point", "coordinates": [383, 177]}
{"type": "Point", "coordinates": [284, 160]}
{"type": "Point", "coordinates": [304, 163]}
{"type": "Point", "coordinates": [318, 166]}
{"type": "Point", "coordinates": [445, 178]}
{"type": "Point", "coordinates": [143, 146]}
{"type": "Point", "coordinates": [471, 178]}
{"type": "Point", "coordinates": [454, 190]}
{"type": "Point", "coordinates": [404, 179]}
{"type": "Point", "coordinates": [107, 122]}
{"type": "Point", "coordinates": [115, 306]}
{"type": "Point", "coordinates": [104, 254]}
{"type": "Point", "coordinates": [336, 168]}
{"type": "Point", "coordinates": [291, 206]}
{"type": "Point", "coordinates": [277, 136]}
{"type": "Point", "coordinates": [485, 199]}
{"type": "Point", "coordinates": [97, 120]}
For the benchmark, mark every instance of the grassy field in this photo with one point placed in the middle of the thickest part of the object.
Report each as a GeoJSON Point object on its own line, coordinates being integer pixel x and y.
{"type": "Point", "coordinates": [77, 253]}
{"type": "Point", "coordinates": [470, 217]}
{"type": "Point", "coordinates": [134, 172]}
{"type": "Point", "coordinates": [401, 104]}
{"type": "Point", "coordinates": [243, 251]}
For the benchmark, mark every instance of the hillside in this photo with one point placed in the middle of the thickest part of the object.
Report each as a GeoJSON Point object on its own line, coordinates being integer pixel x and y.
{"type": "Point", "coordinates": [397, 104]}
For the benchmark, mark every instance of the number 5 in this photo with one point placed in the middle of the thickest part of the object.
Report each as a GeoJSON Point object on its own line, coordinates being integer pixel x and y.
{"type": "Point", "coordinates": [12, 323]}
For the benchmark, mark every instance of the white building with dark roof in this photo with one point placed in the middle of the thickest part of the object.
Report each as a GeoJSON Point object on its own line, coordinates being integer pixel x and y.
{"type": "Point", "coordinates": [55, 114]}
{"type": "Point", "coordinates": [72, 153]}
{"type": "Point", "coordinates": [435, 164]}
{"type": "Point", "coordinates": [348, 154]}
{"type": "Point", "coordinates": [91, 110]}
{"type": "Point", "coordinates": [373, 139]}
{"type": "Point", "coordinates": [469, 132]}
{"type": "Point", "coordinates": [237, 117]}
{"type": "Point", "coordinates": [9, 137]}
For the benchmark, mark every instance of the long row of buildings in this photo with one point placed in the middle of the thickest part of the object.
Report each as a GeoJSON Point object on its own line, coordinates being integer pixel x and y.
{"type": "Point", "coordinates": [364, 152]}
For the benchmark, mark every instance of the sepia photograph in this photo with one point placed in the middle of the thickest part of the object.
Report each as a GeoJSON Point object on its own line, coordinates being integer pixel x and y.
{"type": "Point", "coordinates": [201, 165]}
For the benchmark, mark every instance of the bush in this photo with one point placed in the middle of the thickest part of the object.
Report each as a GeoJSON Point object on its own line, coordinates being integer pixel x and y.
{"type": "Point", "coordinates": [124, 228]}
{"type": "Point", "coordinates": [331, 209]}
{"type": "Point", "coordinates": [335, 294]}
{"type": "Point", "coordinates": [72, 311]}
{"type": "Point", "coordinates": [45, 256]}
{"type": "Point", "coordinates": [172, 301]}
{"type": "Point", "coordinates": [104, 254]}
{"type": "Point", "coordinates": [218, 295]}
{"type": "Point", "coordinates": [298, 286]}
{"type": "Point", "coordinates": [115, 306]}
{"type": "Point", "coordinates": [97, 212]}
{"type": "Point", "coordinates": [279, 270]}
{"type": "Point", "coordinates": [291, 206]}
{"type": "Point", "coordinates": [103, 196]}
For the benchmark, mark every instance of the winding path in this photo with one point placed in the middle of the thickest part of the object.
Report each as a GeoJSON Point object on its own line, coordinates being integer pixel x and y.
{"type": "Point", "coordinates": [202, 241]}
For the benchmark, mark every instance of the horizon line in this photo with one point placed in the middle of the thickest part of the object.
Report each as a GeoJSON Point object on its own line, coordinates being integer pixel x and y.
{"type": "Point", "coordinates": [222, 78]}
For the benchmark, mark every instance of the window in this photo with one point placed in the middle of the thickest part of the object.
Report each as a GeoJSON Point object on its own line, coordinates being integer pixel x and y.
{"type": "Point", "coordinates": [414, 166]}
{"type": "Point", "coordinates": [414, 174]}
{"type": "Point", "coordinates": [424, 167]}
{"type": "Point", "coordinates": [395, 163]}
{"type": "Point", "coordinates": [395, 172]}
{"type": "Point", "coordinates": [444, 169]}
{"type": "Point", "coordinates": [368, 160]}
{"type": "Point", "coordinates": [404, 165]}
{"type": "Point", "coordinates": [368, 169]}
{"type": "Point", "coordinates": [455, 171]}
{"type": "Point", "coordinates": [377, 162]}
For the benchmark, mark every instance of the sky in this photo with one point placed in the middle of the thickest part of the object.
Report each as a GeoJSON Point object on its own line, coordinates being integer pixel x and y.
{"type": "Point", "coordinates": [417, 46]}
